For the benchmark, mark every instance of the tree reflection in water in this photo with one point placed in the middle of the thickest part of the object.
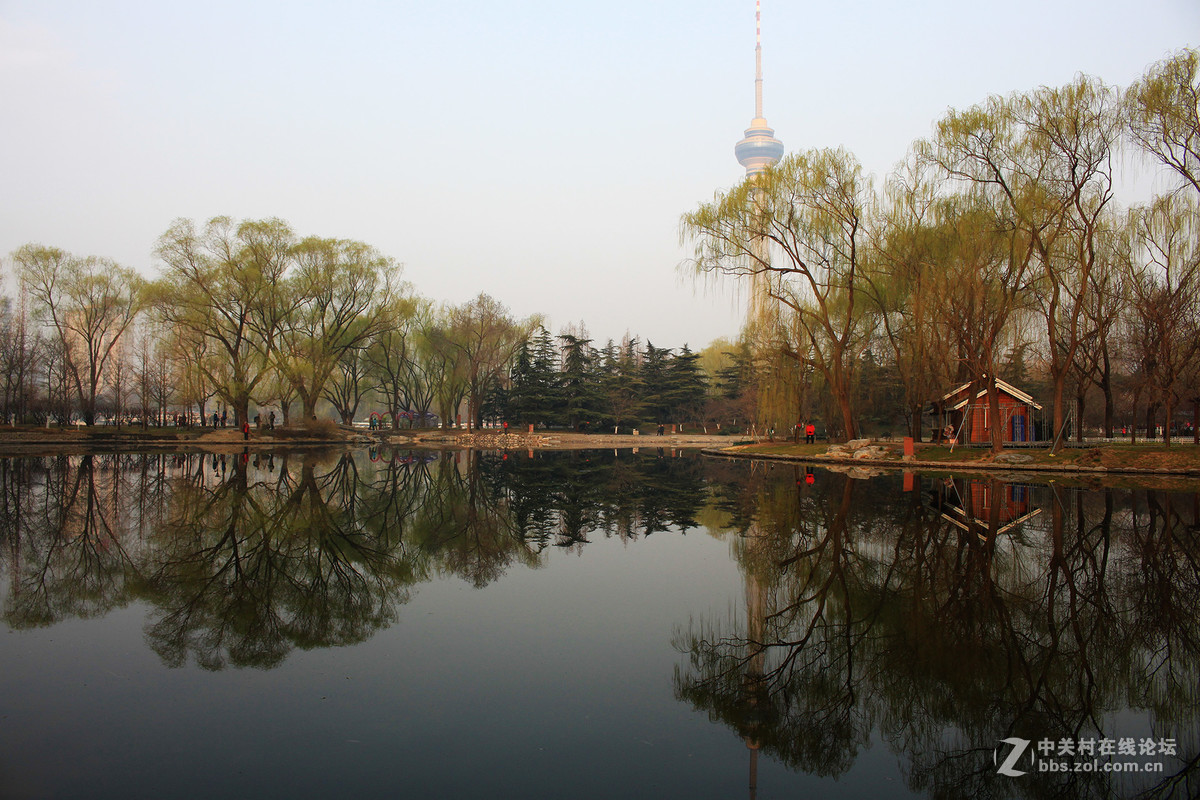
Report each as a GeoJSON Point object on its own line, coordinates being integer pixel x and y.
{"type": "Point", "coordinates": [244, 557]}
{"type": "Point", "coordinates": [951, 618]}
{"type": "Point", "coordinates": [938, 621]}
{"type": "Point", "coordinates": [65, 521]}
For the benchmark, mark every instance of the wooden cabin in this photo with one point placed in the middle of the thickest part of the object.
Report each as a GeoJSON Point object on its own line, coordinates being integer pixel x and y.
{"type": "Point", "coordinates": [970, 416]}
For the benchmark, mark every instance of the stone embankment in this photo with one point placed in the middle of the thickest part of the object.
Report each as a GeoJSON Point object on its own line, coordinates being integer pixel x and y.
{"type": "Point", "coordinates": [495, 440]}
{"type": "Point", "coordinates": [479, 440]}
{"type": "Point", "coordinates": [865, 457]}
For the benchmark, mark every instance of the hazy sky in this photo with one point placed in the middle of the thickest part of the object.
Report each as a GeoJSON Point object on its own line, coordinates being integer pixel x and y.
{"type": "Point", "coordinates": [538, 151]}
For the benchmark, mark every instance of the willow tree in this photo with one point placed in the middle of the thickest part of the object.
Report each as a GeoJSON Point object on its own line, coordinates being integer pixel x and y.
{"type": "Point", "coordinates": [1100, 349]}
{"type": "Point", "coordinates": [395, 367]}
{"type": "Point", "coordinates": [1163, 253]}
{"type": "Point", "coordinates": [90, 303]}
{"type": "Point", "coordinates": [445, 371]}
{"type": "Point", "coordinates": [800, 229]}
{"type": "Point", "coordinates": [984, 283]}
{"type": "Point", "coordinates": [222, 284]}
{"type": "Point", "coordinates": [341, 295]}
{"type": "Point", "coordinates": [1044, 161]}
{"type": "Point", "coordinates": [484, 338]}
{"type": "Point", "coordinates": [1161, 114]}
{"type": "Point", "coordinates": [1077, 128]}
{"type": "Point", "coordinates": [907, 287]}
{"type": "Point", "coordinates": [1162, 117]}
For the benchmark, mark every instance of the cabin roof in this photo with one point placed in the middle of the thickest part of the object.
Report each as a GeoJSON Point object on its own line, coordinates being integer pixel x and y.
{"type": "Point", "coordinates": [1002, 385]}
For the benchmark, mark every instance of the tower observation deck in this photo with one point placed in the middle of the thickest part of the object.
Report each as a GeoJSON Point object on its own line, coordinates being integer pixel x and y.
{"type": "Point", "coordinates": [759, 149]}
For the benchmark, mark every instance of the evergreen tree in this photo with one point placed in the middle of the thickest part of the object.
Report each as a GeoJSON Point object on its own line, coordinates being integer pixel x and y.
{"type": "Point", "coordinates": [534, 395]}
{"type": "Point", "coordinates": [656, 380]}
{"type": "Point", "coordinates": [621, 383]}
{"type": "Point", "coordinates": [516, 400]}
{"type": "Point", "coordinates": [687, 386]}
{"type": "Point", "coordinates": [581, 398]}
{"type": "Point", "coordinates": [547, 400]}
{"type": "Point", "coordinates": [734, 380]}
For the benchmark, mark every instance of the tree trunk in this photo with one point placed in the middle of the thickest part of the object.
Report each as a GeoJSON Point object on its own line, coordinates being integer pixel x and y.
{"type": "Point", "coordinates": [1170, 409]}
{"type": "Point", "coordinates": [241, 409]}
{"type": "Point", "coordinates": [1080, 405]}
{"type": "Point", "coordinates": [1196, 422]}
{"type": "Point", "coordinates": [842, 396]}
{"type": "Point", "coordinates": [997, 425]}
{"type": "Point", "coordinates": [1105, 384]}
{"type": "Point", "coordinates": [393, 408]}
{"type": "Point", "coordinates": [1059, 415]}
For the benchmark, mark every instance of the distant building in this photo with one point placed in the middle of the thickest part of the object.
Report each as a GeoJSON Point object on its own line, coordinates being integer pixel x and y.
{"type": "Point", "coordinates": [971, 419]}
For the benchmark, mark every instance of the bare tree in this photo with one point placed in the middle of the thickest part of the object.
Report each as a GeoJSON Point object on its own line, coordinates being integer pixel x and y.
{"type": "Point", "coordinates": [90, 303]}
{"type": "Point", "coordinates": [1163, 259]}
{"type": "Point", "coordinates": [20, 354]}
{"type": "Point", "coordinates": [486, 338]}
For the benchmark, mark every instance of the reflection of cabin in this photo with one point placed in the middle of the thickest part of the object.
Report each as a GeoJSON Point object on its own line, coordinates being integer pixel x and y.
{"type": "Point", "coordinates": [969, 504]}
{"type": "Point", "coordinates": [970, 417]}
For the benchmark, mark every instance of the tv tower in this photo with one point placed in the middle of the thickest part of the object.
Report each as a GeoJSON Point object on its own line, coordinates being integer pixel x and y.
{"type": "Point", "coordinates": [759, 149]}
{"type": "Point", "coordinates": [757, 152]}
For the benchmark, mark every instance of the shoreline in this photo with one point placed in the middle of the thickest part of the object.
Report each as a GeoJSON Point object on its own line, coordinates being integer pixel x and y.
{"type": "Point", "coordinates": [950, 466]}
{"type": "Point", "coordinates": [1142, 460]}
{"type": "Point", "coordinates": [1116, 460]}
{"type": "Point", "coordinates": [33, 441]}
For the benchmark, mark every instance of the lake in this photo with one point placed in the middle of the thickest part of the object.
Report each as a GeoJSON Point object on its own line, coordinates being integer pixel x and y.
{"type": "Point", "coordinates": [589, 624]}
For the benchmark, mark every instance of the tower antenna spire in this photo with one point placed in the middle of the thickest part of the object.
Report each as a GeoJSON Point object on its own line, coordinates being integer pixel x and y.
{"type": "Point", "coordinates": [758, 112]}
{"type": "Point", "coordinates": [759, 149]}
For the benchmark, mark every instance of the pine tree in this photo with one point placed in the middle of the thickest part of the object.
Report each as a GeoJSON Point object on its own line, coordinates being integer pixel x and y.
{"type": "Point", "coordinates": [656, 381]}
{"type": "Point", "coordinates": [580, 392]}
{"type": "Point", "coordinates": [687, 386]}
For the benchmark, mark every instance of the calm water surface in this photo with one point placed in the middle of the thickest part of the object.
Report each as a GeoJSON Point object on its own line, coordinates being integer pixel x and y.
{"type": "Point", "coordinates": [592, 624]}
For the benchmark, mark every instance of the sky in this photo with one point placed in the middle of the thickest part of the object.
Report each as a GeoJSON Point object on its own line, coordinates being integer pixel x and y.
{"type": "Point", "coordinates": [541, 152]}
